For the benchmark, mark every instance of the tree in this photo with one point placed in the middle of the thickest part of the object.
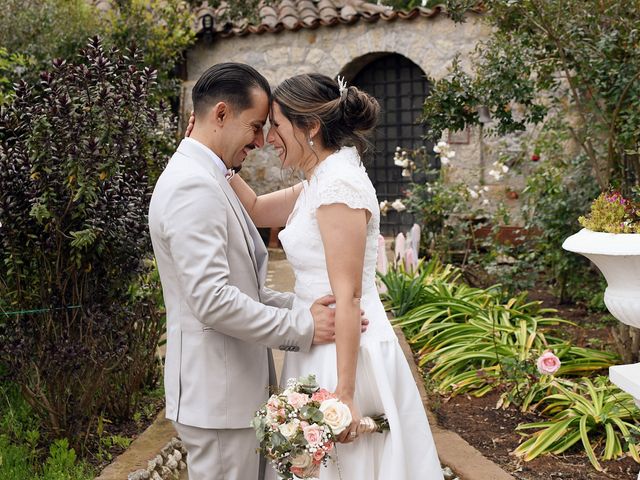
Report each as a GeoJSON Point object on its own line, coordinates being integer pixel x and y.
{"type": "Point", "coordinates": [577, 60]}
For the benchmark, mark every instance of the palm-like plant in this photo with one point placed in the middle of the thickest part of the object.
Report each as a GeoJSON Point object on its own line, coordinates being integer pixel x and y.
{"type": "Point", "coordinates": [596, 413]}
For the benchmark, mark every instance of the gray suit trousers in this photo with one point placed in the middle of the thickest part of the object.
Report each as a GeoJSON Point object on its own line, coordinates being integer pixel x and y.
{"type": "Point", "coordinates": [221, 454]}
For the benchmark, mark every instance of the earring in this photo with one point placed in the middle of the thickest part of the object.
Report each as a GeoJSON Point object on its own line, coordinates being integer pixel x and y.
{"type": "Point", "coordinates": [310, 142]}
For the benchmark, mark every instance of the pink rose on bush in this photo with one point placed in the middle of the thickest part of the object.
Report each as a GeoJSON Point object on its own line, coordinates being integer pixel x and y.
{"type": "Point", "coordinates": [548, 363]}
{"type": "Point", "coordinates": [322, 395]}
{"type": "Point", "coordinates": [312, 434]}
{"type": "Point", "coordinates": [298, 400]}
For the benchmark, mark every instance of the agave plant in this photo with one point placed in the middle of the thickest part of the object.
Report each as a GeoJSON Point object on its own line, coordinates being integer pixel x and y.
{"type": "Point", "coordinates": [597, 414]}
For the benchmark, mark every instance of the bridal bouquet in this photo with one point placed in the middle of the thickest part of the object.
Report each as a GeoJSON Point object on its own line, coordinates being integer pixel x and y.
{"type": "Point", "coordinates": [297, 428]}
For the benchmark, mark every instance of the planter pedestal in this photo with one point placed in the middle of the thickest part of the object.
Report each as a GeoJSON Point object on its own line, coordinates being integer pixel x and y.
{"type": "Point", "coordinates": [617, 255]}
{"type": "Point", "coordinates": [627, 378]}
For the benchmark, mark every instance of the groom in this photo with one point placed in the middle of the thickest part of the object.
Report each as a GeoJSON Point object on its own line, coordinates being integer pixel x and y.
{"type": "Point", "coordinates": [221, 320]}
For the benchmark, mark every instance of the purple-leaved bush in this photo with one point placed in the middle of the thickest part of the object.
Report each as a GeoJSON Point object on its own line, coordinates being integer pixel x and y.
{"type": "Point", "coordinates": [76, 155]}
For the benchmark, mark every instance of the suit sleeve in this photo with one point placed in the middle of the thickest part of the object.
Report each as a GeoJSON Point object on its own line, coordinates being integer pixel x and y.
{"type": "Point", "coordinates": [195, 228]}
{"type": "Point", "coordinates": [277, 299]}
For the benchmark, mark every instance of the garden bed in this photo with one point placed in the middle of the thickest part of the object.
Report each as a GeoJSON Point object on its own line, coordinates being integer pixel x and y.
{"type": "Point", "coordinates": [493, 433]}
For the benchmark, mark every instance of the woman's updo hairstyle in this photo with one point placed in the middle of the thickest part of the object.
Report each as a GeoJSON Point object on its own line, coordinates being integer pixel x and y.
{"type": "Point", "coordinates": [345, 120]}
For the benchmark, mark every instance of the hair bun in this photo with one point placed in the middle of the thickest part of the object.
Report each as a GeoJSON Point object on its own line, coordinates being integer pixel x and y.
{"type": "Point", "coordinates": [360, 110]}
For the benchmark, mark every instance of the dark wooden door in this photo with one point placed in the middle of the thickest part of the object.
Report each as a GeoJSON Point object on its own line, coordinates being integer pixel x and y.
{"type": "Point", "coordinates": [401, 87]}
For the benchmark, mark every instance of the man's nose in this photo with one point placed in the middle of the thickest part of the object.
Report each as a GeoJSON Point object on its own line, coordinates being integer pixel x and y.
{"type": "Point", "coordinates": [259, 140]}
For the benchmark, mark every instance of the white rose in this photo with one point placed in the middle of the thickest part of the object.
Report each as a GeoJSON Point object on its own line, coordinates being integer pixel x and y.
{"type": "Point", "coordinates": [336, 414]}
{"type": "Point", "coordinates": [288, 429]}
{"type": "Point", "coordinates": [302, 460]}
{"type": "Point", "coordinates": [398, 206]}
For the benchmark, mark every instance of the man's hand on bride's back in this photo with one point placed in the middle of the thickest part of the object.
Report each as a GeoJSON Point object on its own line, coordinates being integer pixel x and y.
{"type": "Point", "coordinates": [324, 320]}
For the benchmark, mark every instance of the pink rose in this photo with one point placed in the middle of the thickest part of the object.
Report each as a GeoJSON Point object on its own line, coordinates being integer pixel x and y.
{"type": "Point", "coordinates": [297, 471]}
{"type": "Point", "coordinates": [548, 363]}
{"type": "Point", "coordinates": [273, 404]}
{"type": "Point", "coordinates": [328, 446]}
{"type": "Point", "coordinates": [318, 455]}
{"type": "Point", "coordinates": [298, 400]}
{"type": "Point", "coordinates": [322, 395]}
{"type": "Point", "coordinates": [312, 434]}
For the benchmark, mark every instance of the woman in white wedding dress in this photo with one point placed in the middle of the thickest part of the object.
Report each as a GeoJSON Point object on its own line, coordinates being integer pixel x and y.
{"type": "Point", "coordinates": [332, 222]}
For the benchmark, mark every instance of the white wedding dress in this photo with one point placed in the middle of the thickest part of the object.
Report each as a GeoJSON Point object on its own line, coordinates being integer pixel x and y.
{"type": "Point", "coordinates": [384, 383]}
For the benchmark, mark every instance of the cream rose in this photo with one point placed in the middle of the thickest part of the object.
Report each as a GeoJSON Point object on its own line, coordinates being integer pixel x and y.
{"type": "Point", "coordinates": [302, 460]}
{"type": "Point", "coordinates": [288, 429]}
{"type": "Point", "coordinates": [336, 414]}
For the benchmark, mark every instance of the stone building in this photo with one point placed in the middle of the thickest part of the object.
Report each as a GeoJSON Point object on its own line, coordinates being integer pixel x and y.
{"type": "Point", "coordinates": [392, 55]}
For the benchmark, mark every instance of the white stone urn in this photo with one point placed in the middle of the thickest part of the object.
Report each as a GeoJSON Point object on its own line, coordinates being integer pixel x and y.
{"type": "Point", "coordinates": [617, 255]}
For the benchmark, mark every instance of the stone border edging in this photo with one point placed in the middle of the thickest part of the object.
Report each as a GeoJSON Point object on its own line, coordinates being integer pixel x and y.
{"type": "Point", "coordinates": [453, 451]}
{"type": "Point", "coordinates": [155, 455]}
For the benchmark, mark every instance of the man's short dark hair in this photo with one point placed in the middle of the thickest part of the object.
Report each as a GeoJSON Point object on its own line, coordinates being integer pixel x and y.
{"type": "Point", "coordinates": [229, 82]}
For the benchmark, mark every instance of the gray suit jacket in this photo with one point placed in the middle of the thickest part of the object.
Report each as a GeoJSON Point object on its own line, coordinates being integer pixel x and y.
{"type": "Point", "coordinates": [221, 320]}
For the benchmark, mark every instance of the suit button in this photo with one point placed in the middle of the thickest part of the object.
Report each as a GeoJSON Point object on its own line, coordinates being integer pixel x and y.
{"type": "Point", "coordinates": [295, 349]}
{"type": "Point", "coordinates": [282, 347]}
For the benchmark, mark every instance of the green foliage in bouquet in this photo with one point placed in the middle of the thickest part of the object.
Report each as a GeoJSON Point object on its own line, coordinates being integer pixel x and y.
{"type": "Point", "coordinates": [596, 413]}
{"type": "Point", "coordinates": [612, 213]}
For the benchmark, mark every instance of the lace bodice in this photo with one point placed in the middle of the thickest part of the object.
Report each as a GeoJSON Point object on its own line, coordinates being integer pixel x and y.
{"type": "Point", "coordinates": [340, 178]}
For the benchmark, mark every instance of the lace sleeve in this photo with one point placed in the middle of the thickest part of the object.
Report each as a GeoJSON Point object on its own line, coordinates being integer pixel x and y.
{"type": "Point", "coordinates": [346, 186]}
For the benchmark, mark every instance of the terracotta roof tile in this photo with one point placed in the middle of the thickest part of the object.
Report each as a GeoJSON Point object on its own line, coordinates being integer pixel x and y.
{"type": "Point", "coordinates": [297, 14]}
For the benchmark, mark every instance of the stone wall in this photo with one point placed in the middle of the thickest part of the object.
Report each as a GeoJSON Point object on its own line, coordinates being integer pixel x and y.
{"type": "Point", "coordinates": [431, 43]}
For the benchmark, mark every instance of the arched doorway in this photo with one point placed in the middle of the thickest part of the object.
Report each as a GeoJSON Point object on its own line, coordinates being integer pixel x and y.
{"type": "Point", "coordinates": [401, 87]}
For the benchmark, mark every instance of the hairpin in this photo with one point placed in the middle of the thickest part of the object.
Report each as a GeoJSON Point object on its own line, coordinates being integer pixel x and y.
{"type": "Point", "coordinates": [342, 86]}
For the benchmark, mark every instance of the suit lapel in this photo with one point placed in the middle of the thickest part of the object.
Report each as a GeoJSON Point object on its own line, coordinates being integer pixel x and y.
{"type": "Point", "coordinates": [243, 218]}
{"type": "Point", "coordinates": [248, 228]}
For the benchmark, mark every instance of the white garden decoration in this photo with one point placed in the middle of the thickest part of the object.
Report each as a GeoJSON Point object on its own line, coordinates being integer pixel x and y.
{"type": "Point", "coordinates": [617, 255]}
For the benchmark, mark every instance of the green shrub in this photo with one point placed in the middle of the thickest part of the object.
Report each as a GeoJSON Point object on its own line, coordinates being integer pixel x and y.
{"type": "Point", "coordinates": [46, 29]}
{"type": "Point", "coordinates": [474, 340]}
{"type": "Point", "coordinates": [76, 152]}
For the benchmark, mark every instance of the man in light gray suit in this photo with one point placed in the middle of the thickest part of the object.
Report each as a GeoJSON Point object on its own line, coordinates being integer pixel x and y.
{"type": "Point", "coordinates": [221, 320]}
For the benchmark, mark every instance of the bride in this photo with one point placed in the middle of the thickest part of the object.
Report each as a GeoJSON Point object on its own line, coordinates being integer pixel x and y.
{"type": "Point", "coordinates": [331, 220]}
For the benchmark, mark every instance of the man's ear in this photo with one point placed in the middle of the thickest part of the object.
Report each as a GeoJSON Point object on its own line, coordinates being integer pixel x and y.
{"type": "Point", "coordinates": [220, 113]}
